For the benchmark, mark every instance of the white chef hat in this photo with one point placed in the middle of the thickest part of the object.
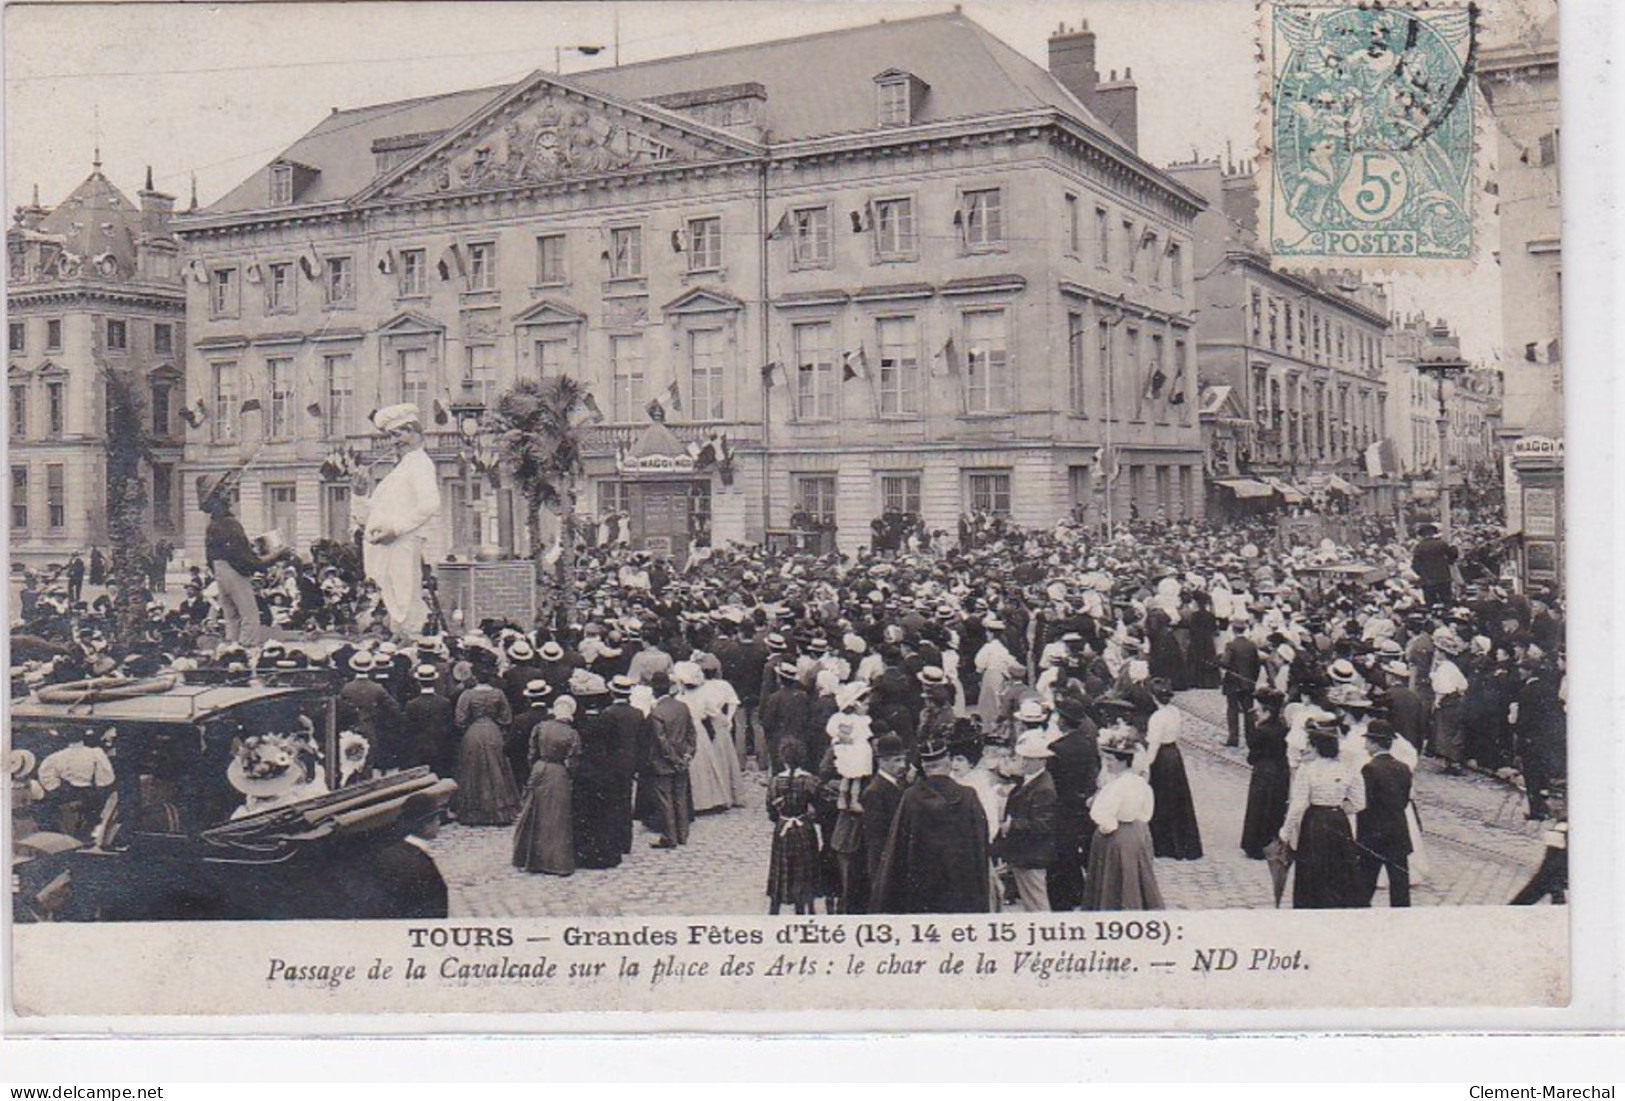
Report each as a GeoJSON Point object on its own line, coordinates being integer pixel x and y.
{"type": "Point", "coordinates": [391, 417]}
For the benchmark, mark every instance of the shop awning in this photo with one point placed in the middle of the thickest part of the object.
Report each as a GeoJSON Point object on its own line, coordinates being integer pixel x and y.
{"type": "Point", "coordinates": [1245, 488]}
{"type": "Point", "coordinates": [1347, 489]}
{"type": "Point", "coordinates": [1291, 494]}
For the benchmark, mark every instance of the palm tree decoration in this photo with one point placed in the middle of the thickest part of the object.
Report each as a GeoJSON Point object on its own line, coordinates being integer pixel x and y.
{"type": "Point", "coordinates": [129, 451]}
{"type": "Point", "coordinates": [536, 430]}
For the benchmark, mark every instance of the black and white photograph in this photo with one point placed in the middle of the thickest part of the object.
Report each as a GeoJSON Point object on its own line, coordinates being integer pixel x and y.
{"type": "Point", "coordinates": [1056, 466]}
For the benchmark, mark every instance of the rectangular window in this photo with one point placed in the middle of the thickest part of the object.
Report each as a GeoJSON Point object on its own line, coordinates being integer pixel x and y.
{"type": "Point", "coordinates": [900, 493]}
{"type": "Point", "coordinates": [815, 371]}
{"type": "Point", "coordinates": [336, 512]}
{"type": "Point", "coordinates": [412, 276]}
{"type": "Point", "coordinates": [53, 336]}
{"type": "Point", "coordinates": [614, 497]}
{"type": "Point", "coordinates": [223, 292]}
{"type": "Point", "coordinates": [704, 244]}
{"type": "Point", "coordinates": [1274, 325]}
{"type": "Point", "coordinates": [892, 103]}
{"type": "Point", "coordinates": [899, 341]}
{"type": "Point", "coordinates": [1077, 371]}
{"type": "Point", "coordinates": [626, 378]}
{"type": "Point", "coordinates": [19, 411]}
{"type": "Point", "coordinates": [1131, 248]}
{"type": "Point", "coordinates": [984, 218]}
{"type": "Point", "coordinates": [17, 337]}
{"type": "Point", "coordinates": [282, 511]}
{"type": "Point", "coordinates": [282, 185]}
{"type": "Point", "coordinates": [550, 259]}
{"type": "Point", "coordinates": [19, 498]}
{"type": "Point", "coordinates": [281, 294]}
{"type": "Point", "coordinates": [163, 497]}
{"type": "Point", "coordinates": [1103, 237]}
{"type": "Point", "coordinates": [339, 373]}
{"type": "Point", "coordinates": [118, 335]}
{"type": "Point", "coordinates": [1258, 316]}
{"type": "Point", "coordinates": [815, 496]}
{"type": "Point", "coordinates": [894, 228]}
{"type": "Point", "coordinates": [163, 338]}
{"type": "Point", "coordinates": [1160, 391]}
{"type": "Point", "coordinates": [705, 364]}
{"type": "Point", "coordinates": [987, 362]}
{"type": "Point", "coordinates": [812, 235]}
{"type": "Point", "coordinates": [1176, 268]}
{"type": "Point", "coordinates": [1130, 361]}
{"type": "Point", "coordinates": [412, 371]}
{"type": "Point", "coordinates": [161, 392]}
{"type": "Point", "coordinates": [1181, 366]}
{"type": "Point", "coordinates": [480, 373]}
{"type": "Point", "coordinates": [340, 281]}
{"type": "Point", "coordinates": [989, 492]}
{"type": "Point", "coordinates": [223, 426]}
{"type": "Point", "coordinates": [482, 266]}
{"type": "Point", "coordinates": [1073, 229]}
{"type": "Point", "coordinates": [279, 381]}
{"type": "Point", "coordinates": [552, 356]}
{"type": "Point", "coordinates": [626, 252]}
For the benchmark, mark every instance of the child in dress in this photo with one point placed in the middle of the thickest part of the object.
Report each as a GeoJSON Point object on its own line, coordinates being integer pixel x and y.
{"type": "Point", "coordinates": [850, 734]}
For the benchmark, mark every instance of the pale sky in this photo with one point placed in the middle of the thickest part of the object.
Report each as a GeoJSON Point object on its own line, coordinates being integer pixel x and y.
{"type": "Point", "coordinates": [218, 90]}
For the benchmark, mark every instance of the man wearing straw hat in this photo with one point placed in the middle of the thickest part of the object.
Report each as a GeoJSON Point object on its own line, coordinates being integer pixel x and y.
{"type": "Point", "coordinates": [396, 516]}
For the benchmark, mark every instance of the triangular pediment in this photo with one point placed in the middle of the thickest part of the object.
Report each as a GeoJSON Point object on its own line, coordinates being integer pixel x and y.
{"type": "Point", "coordinates": [545, 129]}
{"type": "Point", "coordinates": [1220, 403]}
{"type": "Point", "coordinates": [550, 311]}
{"type": "Point", "coordinates": [52, 369]}
{"type": "Point", "coordinates": [408, 323]}
{"type": "Point", "coordinates": [18, 374]}
{"type": "Point", "coordinates": [703, 300]}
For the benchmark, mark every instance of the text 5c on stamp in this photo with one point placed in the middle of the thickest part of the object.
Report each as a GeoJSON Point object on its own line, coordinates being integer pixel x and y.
{"type": "Point", "coordinates": [1370, 128]}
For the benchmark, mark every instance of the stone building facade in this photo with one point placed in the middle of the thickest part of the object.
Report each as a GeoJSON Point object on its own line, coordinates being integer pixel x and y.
{"type": "Point", "coordinates": [894, 268]}
{"type": "Point", "coordinates": [93, 288]}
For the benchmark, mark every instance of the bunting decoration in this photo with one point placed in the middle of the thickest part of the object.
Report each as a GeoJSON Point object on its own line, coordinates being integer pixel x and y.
{"type": "Point", "coordinates": [451, 261]}
{"type": "Point", "coordinates": [195, 414]}
{"type": "Point", "coordinates": [782, 227]}
{"type": "Point", "coordinates": [311, 263]}
{"type": "Point", "coordinates": [854, 364]}
{"type": "Point", "coordinates": [946, 361]}
{"type": "Point", "coordinates": [1154, 383]}
{"type": "Point", "coordinates": [199, 271]}
{"type": "Point", "coordinates": [254, 275]}
{"type": "Point", "coordinates": [773, 374]}
{"type": "Point", "coordinates": [679, 240]}
{"type": "Point", "coordinates": [595, 414]}
{"type": "Point", "coordinates": [386, 263]}
{"type": "Point", "coordinates": [674, 397]}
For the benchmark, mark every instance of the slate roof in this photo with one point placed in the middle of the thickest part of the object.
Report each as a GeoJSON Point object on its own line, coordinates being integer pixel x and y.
{"type": "Point", "coordinates": [818, 85]}
{"type": "Point", "coordinates": [94, 219]}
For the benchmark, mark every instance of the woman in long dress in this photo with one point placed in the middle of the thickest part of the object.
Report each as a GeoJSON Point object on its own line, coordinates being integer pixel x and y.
{"type": "Point", "coordinates": [486, 792]}
{"type": "Point", "coordinates": [1204, 630]}
{"type": "Point", "coordinates": [598, 798]}
{"type": "Point", "coordinates": [1271, 782]}
{"type": "Point", "coordinates": [543, 841]}
{"type": "Point", "coordinates": [713, 772]}
{"type": "Point", "coordinates": [1121, 874]}
{"type": "Point", "coordinates": [1174, 830]}
{"type": "Point", "coordinates": [1324, 795]}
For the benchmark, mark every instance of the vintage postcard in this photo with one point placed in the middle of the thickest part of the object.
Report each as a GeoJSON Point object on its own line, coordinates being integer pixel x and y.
{"type": "Point", "coordinates": [576, 510]}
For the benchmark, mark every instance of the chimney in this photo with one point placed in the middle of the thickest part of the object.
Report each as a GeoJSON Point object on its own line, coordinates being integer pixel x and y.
{"type": "Point", "coordinates": [1117, 103]}
{"type": "Point", "coordinates": [156, 208]}
{"type": "Point", "coordinates": [1072, 60]}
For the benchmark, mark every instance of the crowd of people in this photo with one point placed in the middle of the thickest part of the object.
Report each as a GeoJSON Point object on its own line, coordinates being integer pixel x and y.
{"type": "Point", "coordinates": [942, 729]}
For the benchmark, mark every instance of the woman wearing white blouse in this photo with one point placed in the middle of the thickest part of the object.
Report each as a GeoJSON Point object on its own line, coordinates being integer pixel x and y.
{"type": "Point", "coordinates": [1324, 795]}
{"type": "Point", "coordinates": [1121, 876]}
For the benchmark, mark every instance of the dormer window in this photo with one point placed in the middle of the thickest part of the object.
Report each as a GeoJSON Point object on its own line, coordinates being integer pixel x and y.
{"type": "Point", "coordinates": [893, 104]}
{"type": "Point", "coordinates": [897, 97]}
{"type": "Point", "coordinates": [282, 185]}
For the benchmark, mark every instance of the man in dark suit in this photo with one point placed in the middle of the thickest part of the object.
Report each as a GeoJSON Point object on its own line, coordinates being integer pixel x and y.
{"type": "Point", "coordinates": [881, 798]}
{"type": "Point", "coordinates": [1026, 839]}
{"type": "Point", "coordinates": [1380, 831]}
{"type": "Point", "coordinates": [1075, 770]}
{"type": "Point", "coordinates": [1239, 665]}
{"type": "Point", "coordinates": [743, 667]}
{"type": "Point", "coordinates": [366, 707]}
{"type": "Point", "coordinates": [1431, 560]}
{"type": "Point", "coordinates": [429, 722]}
{"type": "Point", "coordinates": [671, 747]}
{"type": "Point", "coordinates": [936, 860]}
{"type": "Point", "coordinates": [787, 711]}
{"type": "Point", "coordinates": [631, 748]}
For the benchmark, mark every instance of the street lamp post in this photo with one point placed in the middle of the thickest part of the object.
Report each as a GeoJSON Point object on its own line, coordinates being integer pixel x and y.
{"type": "Point", "coordinates": [1441, 361]}
{"type": "Point", "coordinates": [467, 414]}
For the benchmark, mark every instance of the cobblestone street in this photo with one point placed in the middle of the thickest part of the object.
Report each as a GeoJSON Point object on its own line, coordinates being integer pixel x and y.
{"type": "Point", "coordinates": [1480, 850]}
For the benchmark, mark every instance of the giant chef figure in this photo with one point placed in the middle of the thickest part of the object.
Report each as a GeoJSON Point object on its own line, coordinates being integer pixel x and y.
{"type": "Point", "coordinates": [396, 520]}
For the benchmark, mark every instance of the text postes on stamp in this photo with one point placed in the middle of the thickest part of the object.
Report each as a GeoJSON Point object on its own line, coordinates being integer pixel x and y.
{"type": "Point", "coordinates": [1371, 132]}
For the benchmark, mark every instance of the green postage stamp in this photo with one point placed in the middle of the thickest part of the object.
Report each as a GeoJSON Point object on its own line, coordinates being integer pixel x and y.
{"type": "Point", "coordinates": [1370, 128]}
